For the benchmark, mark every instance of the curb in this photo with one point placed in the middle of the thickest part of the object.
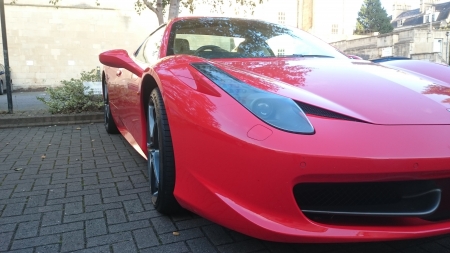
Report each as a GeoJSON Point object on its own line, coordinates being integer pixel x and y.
{"type": "Point", "coordinates": [48, 120]}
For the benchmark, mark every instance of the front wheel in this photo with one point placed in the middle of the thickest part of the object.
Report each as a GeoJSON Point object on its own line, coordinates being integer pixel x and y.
{"type": "Point", "coordinates": [161, 162]}
{"type": "Point", "coordinates": [2, 90]}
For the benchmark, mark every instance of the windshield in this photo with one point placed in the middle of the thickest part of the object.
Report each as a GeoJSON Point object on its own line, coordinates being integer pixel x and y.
{"type": "Point", "coordinates": [241, 38]}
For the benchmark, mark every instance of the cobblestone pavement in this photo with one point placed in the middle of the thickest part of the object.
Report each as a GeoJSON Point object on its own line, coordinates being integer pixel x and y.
{"type": "Point", "coordinates": [78, 189]}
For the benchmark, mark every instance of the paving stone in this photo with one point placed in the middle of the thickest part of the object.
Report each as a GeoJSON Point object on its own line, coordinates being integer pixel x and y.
{"type": "Point", "coordinates": [245, 246]}
{"type": "Point", "coordinates": [56, 193]}
{"type": "Point", "coordinates": [34, 201]}
{"type": "Point", "coordinates": [179, 247]}
{"type": "Point", "coordinates": [26, 194]}
{"type": "Point", "coordinates": [13, 209]}
{"type": "Point", "coordinates": [98, 186]}
{"type": "Point", "coordinates": [193, 223]}
{"type": "Point", "coordinates": [90, 180]}
{"type": "Point", "coordinates": [103, 207]}
{"type": "Point", "coordinates": [82, 217]}
{"type": "Point", "coordinates": [48, 187]}
{"type": "Point", "coordinates": [127, 247]}
{"type": "Point", "coordinates": [109, 192]}
{"type": "Point", "coordinates": [61, 228]}
{"type": "Point", "coordinates": [73, 208]}
{"type": "Point", "coordinates": [93, 199]}
{"type": "Point", "coordinates": [444, 242]}
{"type": "Point", "coordinates": [163, 224]}
{"type": "Point", "coordinates": [133, 206]}
{"type": "Point", "coordinates": [8, 228]}
{"type": "Point", "coordinates": [73, 187]}
{"type": "Point", "coordinates": [23, 188]}
{"type": "Point", "coordinates": [109, 239]}
{"type": "Point", "coordinates": [72, 241]}
{"type": "Point", "coordinates": [51, 248]}
{"type": "Point", "coordinates": [5, 194]}
{"type": "Point", "coordinates": [52, 218]}
{"type": "Point", "coordinates": [143, 215]}
{"type": "Point", "coordinates": [96, 227]}
{"type": "Point", "coordinates": [434, 247]}
{"type": "Point", "coordinates": [183, 235]}
{"type": "Point", "coordinates": [217, 234]}
{"type": "Point", "coordinates": [128, 226]}
{"type": "Point", "coordinates": [27, 229]}
{"type": "Point", "coordinates": [120, 198]}
{"type": "Point", "coordinates": [145, 189]}
{"type": "Point", "coordinates": [29, 250]}
{"type": "Point", "coordinates": [201, 245]}
{"type": "Point", "coordinates": [145, 238]}
{"type": "Point", "coordinates": [5, 240]}
{"type": "Point", "coordinates": [35, 241]}
{"type": "Point", "coordinates": [21, 218]}
{"type": "Point", "coordinates": [64, 200]}
{"type": "Point", "coordinates": [42, 209]}
{"type": "Point", "coordinates": [100, 249]}
{"type": "Point", "coordinates": [115, 216]}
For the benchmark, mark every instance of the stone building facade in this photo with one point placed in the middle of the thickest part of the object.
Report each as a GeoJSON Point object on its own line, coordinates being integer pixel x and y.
{"type": "Point", "coordinates": [415, 35]}
{"type": "Point", "coordinates": [48, 44]}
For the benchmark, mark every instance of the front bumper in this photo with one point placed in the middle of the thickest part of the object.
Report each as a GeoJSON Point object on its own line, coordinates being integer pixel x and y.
{"type": "Point", "coordinates": [244, 178]}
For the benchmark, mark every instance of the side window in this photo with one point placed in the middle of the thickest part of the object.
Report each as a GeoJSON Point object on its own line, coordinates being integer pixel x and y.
{"type": "Point", "coordinates": [151, 47]}
{"type": "Point", "coordinates": [141, 52]}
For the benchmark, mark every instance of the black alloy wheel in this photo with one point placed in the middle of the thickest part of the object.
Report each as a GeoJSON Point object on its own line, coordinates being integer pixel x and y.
{"type": "Point", "coordinates": [2, 90]}
{"type": "Point", "coordinates": [110, 125]}
{"type": "Point", "coordinates": [161, 162]}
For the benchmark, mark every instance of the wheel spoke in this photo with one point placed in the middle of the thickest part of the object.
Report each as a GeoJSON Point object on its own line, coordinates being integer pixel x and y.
{"type": "Point", "coordinates": [155, 166]}
{"type": "Point", "coordinates": [151, 127]}
{"type": "Point", "coordinates": [106, 113]}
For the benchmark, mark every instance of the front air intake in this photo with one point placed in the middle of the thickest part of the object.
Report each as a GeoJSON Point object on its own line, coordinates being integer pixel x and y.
{"type": "Point", "coordinates": [391, 199]}
{"type": "Point", "coordinates": [314, 110]}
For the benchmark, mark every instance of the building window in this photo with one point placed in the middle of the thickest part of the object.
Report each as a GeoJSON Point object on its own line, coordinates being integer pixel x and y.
{"type": "Point", "coordinates": [436, 15]}
{"type": "Point", "coordinates": [281, 17]}
{"type": "Point", "coordinates": [334, 29]}
{"type": "Point", "coordinates": [425, 18]}
{"type": "Point", "coordinates": [400, 22]}
{"type": "Point", "coordinates": [281, 52]}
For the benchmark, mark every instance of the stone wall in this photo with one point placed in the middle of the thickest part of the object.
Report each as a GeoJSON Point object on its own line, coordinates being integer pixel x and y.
{"type": "Point", "coordinates": [413, 43]}
{"type": "Point", "coordinates": [47, 45]}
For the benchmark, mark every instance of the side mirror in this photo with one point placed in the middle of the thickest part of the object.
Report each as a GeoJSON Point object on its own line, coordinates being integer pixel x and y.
{"type": "Point", "coordinates": [119, 58]}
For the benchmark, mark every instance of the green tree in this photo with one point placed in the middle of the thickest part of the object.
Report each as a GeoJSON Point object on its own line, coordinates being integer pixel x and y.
{"type": "Point", "coordinates": [160, 7]}
{"type": "Point", "coordinates": [372, 17]}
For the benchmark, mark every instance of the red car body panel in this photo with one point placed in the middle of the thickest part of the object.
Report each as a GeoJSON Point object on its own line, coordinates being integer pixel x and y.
{"type": "Point", "coordinates": [238, 171]}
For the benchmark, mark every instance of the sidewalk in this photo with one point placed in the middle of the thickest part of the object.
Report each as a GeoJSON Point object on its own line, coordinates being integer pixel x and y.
{"type": "Point", "coordinates": [28, 112]}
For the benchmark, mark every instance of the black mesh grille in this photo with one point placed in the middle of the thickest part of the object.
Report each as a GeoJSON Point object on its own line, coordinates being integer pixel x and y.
{"type": "Point", "coordinates": [313, 110]}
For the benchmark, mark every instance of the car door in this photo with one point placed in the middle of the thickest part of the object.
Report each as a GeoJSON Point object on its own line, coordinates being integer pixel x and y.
{"type": "Point", "coordinates": [132, 109]}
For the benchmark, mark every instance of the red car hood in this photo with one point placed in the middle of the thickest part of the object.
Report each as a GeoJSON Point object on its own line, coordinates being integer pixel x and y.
{"type": "Point", "coordinates": [359, 89]}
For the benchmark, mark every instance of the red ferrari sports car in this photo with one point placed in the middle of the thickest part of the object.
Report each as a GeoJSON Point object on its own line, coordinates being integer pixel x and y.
{"type": "Point", "coordinates": [271, 132]}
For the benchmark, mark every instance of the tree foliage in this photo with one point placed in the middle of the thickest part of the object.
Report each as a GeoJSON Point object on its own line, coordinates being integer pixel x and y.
{"type": "Point", "coordinates": [161, 7]}
{"type": "Point", "coordinates": [372, 17]}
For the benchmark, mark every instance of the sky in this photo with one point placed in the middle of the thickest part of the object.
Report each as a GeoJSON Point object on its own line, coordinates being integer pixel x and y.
{"type": "Point", "coordinates": [387, 4]}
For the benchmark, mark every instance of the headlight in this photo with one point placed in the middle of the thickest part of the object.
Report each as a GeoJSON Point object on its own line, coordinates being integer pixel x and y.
{"type": "Point", "coordinates": [275, 110]}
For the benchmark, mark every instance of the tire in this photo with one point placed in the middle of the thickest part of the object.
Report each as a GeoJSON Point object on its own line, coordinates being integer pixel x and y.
{"type": "Point", "coordinates": [2, 91]}
{"type": "Point", "coordinates": [161, 162]}
{"type": "Point", "coordinates": [110, 125]}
